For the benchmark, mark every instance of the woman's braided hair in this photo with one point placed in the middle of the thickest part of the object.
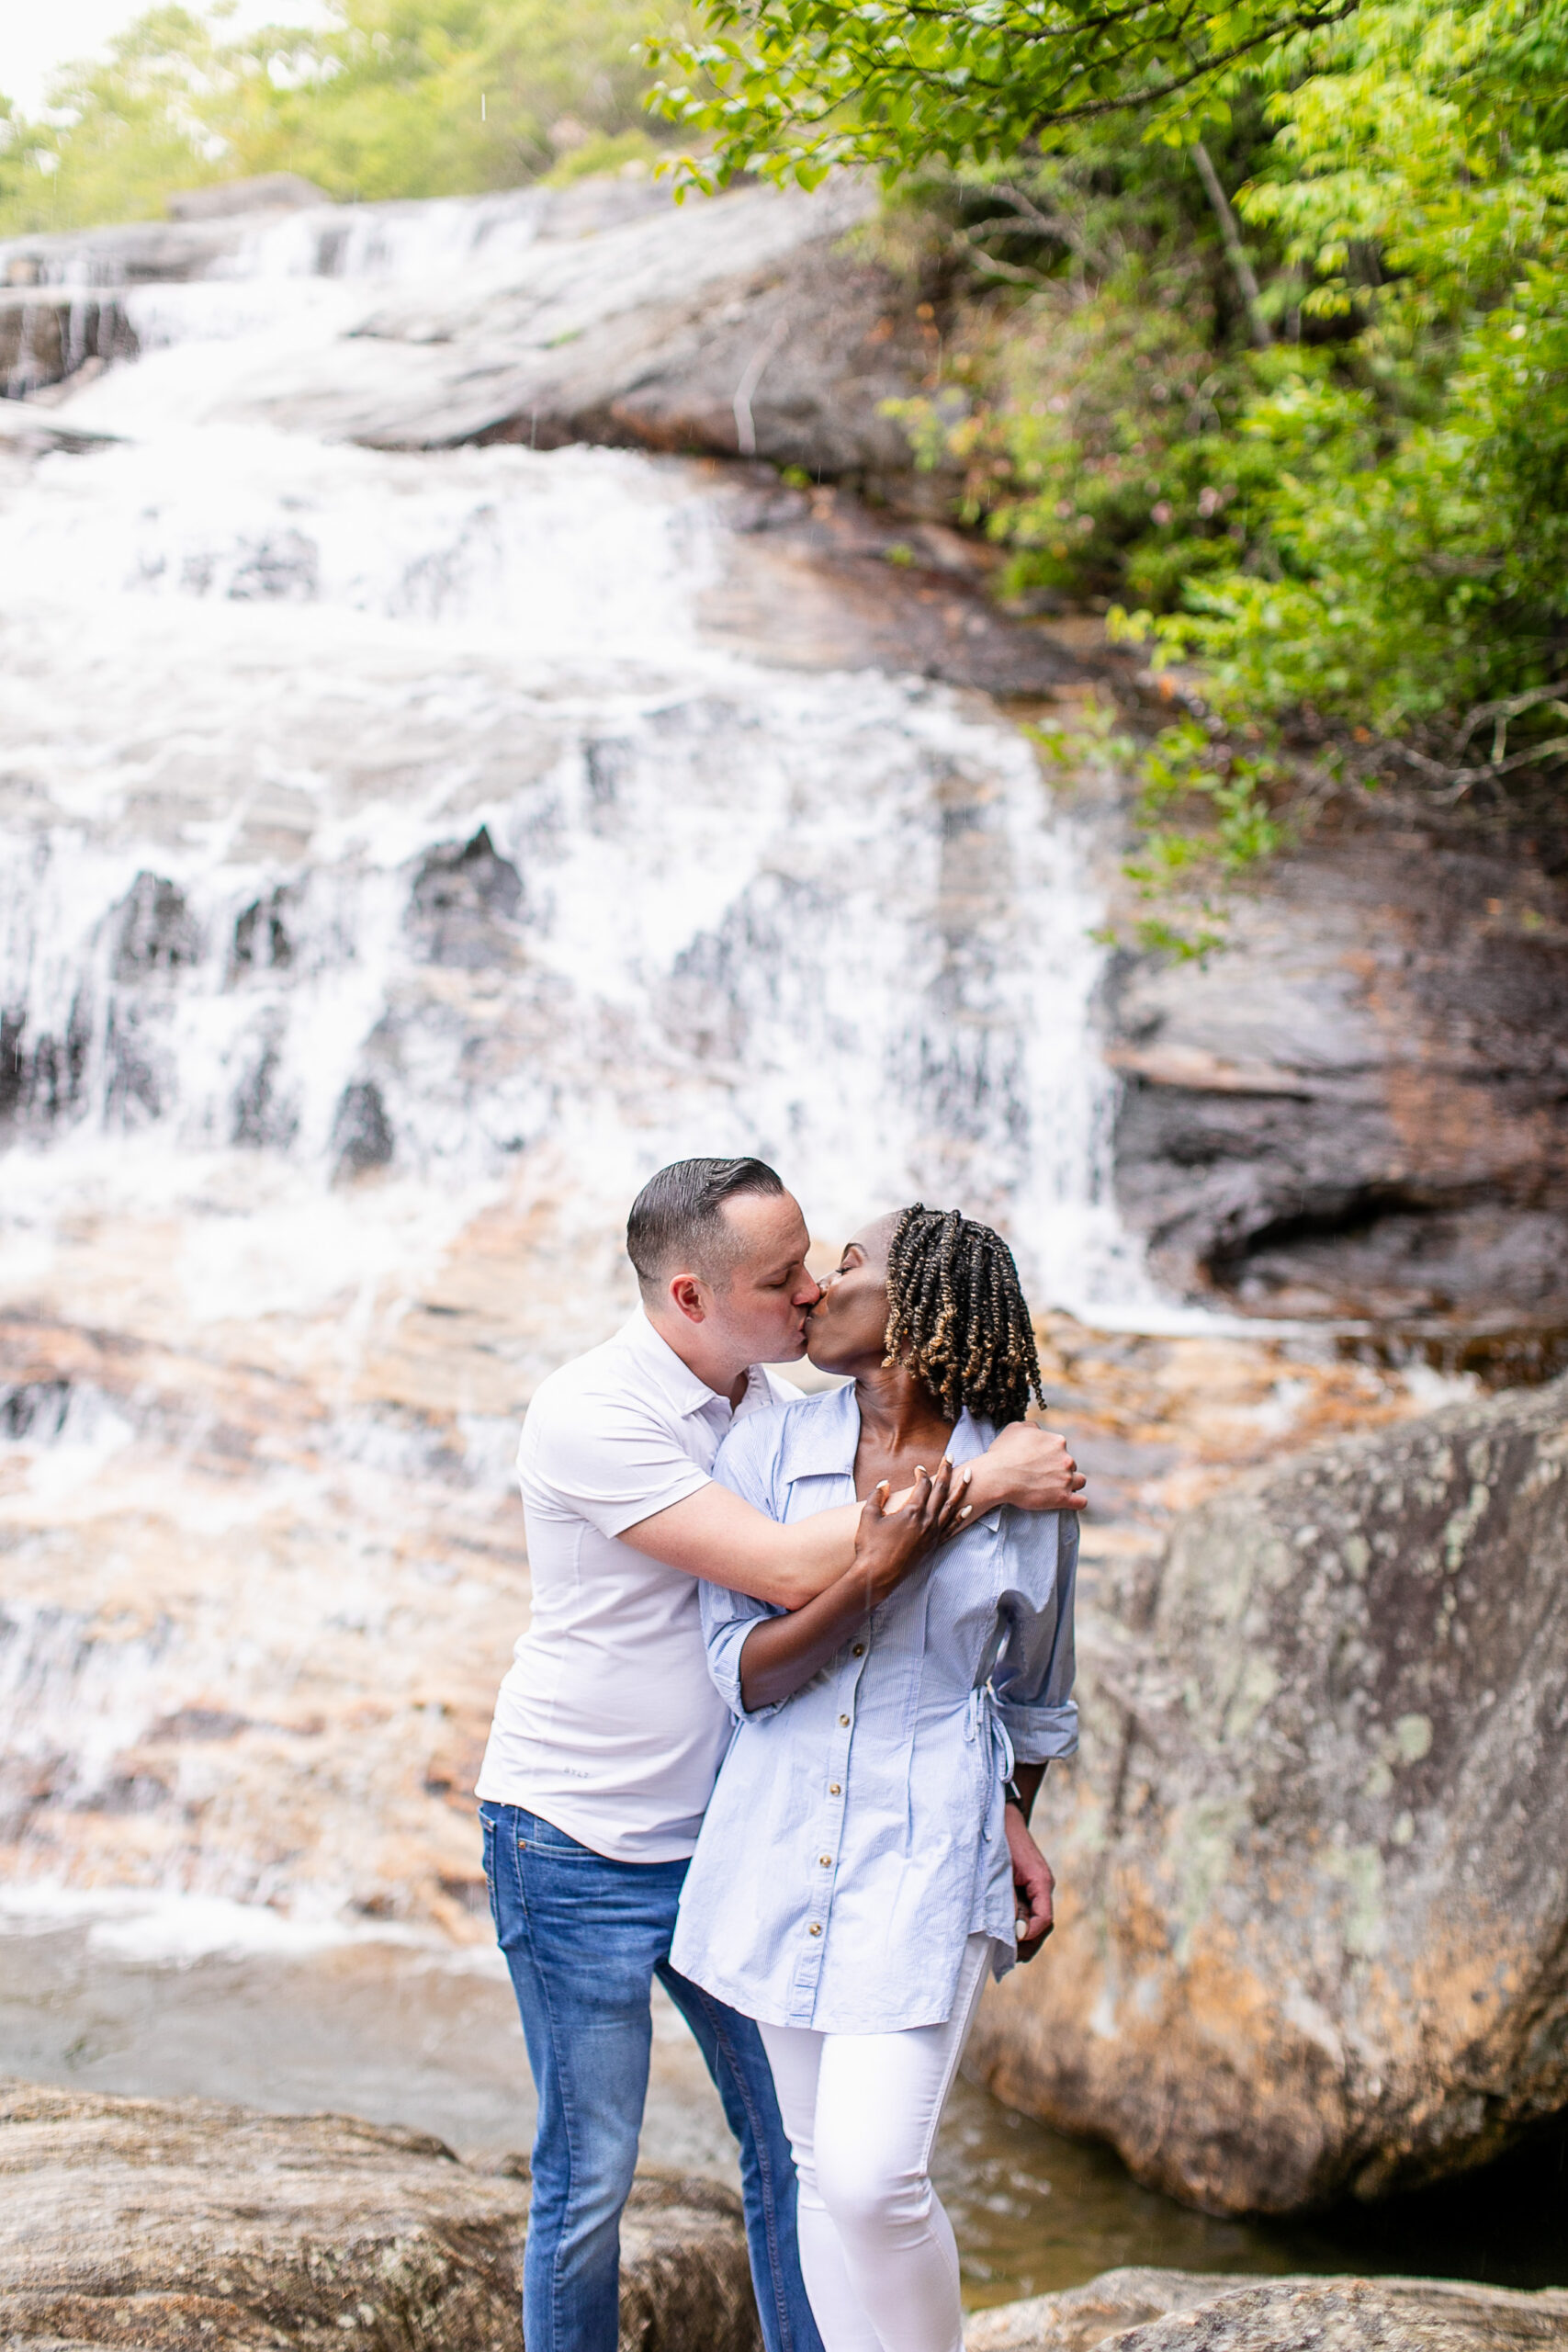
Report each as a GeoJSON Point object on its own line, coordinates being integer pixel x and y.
{"type": "Point", "coordinates": [957, 1315]}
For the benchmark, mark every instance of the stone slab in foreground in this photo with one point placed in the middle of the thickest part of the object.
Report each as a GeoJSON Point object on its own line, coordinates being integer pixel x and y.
{"type": "Point", "coordinates": [1177, 2310]}
{"type": "Point", "coordinates": [165, 2223]}
{"type": "Point", "coordinates": [1313, 1868]}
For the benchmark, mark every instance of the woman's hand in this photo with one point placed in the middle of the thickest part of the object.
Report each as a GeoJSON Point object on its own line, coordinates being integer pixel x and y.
{"type": "Point", "coordinates": [1033, 1885]}
{"type": "Point", "coordinates": [891, 1540]}
{"type": "Point", "coordinates": [780, 1655]}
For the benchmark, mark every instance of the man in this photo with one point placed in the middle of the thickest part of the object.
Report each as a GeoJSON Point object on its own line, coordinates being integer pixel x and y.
{"type": "Point", "coordinates": [608, 1732]}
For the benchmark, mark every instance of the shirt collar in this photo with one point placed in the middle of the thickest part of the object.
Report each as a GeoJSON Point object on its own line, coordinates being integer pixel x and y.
{"type": "Point", "coordinates": [659, 1362]}
{"type": "Point", "coordinates": [820, 1442]}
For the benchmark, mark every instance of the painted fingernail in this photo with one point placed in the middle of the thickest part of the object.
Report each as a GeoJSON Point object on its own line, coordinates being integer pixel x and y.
{"type": "Point", "coordinates": [966, 1509]}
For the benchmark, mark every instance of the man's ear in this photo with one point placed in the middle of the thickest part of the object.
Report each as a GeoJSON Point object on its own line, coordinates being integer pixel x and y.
{"type": "Point", "coordinates": [688, 1296]}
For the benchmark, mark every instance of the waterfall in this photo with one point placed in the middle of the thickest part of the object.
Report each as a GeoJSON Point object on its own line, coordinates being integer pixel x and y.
{"type": "Point", "coordinates": [390, 862]}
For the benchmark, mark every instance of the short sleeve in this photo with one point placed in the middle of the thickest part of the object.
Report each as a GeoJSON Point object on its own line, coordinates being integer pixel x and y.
{"type": "Point", "coordinates": [609, 1460]}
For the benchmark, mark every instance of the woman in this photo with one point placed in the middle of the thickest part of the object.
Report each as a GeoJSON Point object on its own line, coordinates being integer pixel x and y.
{"type": "Point", "coordinates": [854, 1878]}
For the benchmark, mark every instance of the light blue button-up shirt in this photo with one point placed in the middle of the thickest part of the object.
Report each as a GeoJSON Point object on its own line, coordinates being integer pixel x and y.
{"type": "Point", "coordinates": [855, 1839]}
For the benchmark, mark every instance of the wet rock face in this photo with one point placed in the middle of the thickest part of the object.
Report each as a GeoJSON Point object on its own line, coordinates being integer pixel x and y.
{"type": "Point", "coordinates": [48, 331]}
{"type": "Point", "coordinates": [1172, 2310]}
{"type": "Point", "coordinates": [261, 939]}
{"type": "Point", "coordinates": [41, 1078]}
{"type": "Point", "coordinates": [464, 901]}
{"type": "Point", "coordinates": [732, 327]}
{"type": "Point", "coordinates": [1314, 1864]}
{"type": "Point", "coordinates": [791, 362]}
{"type": "Point", "coordinates": [139, 253]}
{"type": "Point", "coordinates": [47, 1073]}
{"type": "Point", "coordinates": [362, 1134]}
{"type": "Point", "coordinates": [157, 935]}
{"type": "Point", "coordinates": [1361, 1107]}
{"type": "Point", "coordinates": [141, 2222]}
{"type": "Point", "coordinates": [267, 192]}
{"type": "Point", "coordinates": [737, 326]}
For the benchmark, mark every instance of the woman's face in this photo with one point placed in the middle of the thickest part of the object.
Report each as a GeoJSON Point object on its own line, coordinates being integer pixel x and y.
{"type": "Point", "coordinates": [846, 1330]}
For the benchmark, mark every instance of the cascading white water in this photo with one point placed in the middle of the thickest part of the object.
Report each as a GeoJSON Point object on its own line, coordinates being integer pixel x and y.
{"type": "Point", "coordinates": [831, 917]}
{"type": "Point", "coordinates": [828, 918]}
{"type": "Point", "coordinates": [386, 851]}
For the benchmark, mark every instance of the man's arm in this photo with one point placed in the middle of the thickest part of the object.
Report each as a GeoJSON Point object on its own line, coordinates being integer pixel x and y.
{"type": "Point", "coordinates": [716, 1535]}
{"type": "Point", "coordinates": [781, 1654]}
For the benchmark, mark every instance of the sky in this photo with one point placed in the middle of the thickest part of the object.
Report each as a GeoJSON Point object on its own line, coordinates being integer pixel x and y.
{"type": "Point", "coordinates": [35, 39]}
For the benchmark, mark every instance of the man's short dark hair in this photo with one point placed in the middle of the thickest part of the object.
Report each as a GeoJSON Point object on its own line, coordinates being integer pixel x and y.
{"type": "Point", "coordinates": [679, 1215]}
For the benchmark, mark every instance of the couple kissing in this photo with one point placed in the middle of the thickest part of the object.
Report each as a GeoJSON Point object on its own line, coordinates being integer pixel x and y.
{"type": "Point", "coordinates": [795, 1669]}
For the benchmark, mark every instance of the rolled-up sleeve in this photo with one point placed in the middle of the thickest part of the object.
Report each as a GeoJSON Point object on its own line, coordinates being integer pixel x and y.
{"type": "Point", "coordinates": [1034, 1670]}
{"type": "Point", "coordinates": [728, 1618]}
{"type": "Point", "coordinates": [745, 1468]}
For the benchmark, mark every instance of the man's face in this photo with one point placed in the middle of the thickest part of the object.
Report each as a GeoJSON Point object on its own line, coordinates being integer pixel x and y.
{"type": "Point", "coordinates": [760, 1308]}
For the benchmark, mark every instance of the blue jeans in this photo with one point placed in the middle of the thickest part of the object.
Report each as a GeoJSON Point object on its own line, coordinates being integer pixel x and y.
{"type": "Point", "coordinates": [584, 1939]}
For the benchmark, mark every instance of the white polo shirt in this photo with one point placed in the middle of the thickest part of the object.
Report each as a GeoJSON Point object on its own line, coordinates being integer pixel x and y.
{"type": "Point", "coordinates": [608, 1723]}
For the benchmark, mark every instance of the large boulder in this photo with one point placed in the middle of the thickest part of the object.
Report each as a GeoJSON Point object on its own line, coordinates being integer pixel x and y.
{"type": "Point", "coordinates": [742, 325]}
{"type": "Point", "coordinates": [1314, 1866]}
{"type": "Point", "coordinates": [729, 325]}
{"type": "Point", "coordinates": [1178, 2311]}
{"type": "Point", "coordinates": [224, 199]}
{"type": "Point", "coordinates": [1361, 1106]}
{"type": "Point", "coordinates": [143, 2223]}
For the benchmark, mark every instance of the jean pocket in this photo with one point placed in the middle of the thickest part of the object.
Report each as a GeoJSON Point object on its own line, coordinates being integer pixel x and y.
{"type": "Point", "coordinates": [487, 1825]}
{"type": "Point", "coordinates": [538, 1836]}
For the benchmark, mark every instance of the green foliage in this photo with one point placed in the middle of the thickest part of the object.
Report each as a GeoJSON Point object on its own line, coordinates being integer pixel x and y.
{"type": "Point", "coordinates": [792, 87]}
{"type": "Point", "coordinates": [1322, 448]}
{"type": "Point", "coordinates": [1084, 410]}
{"type": "Point", "coordinates": [1408, 558]}
{"type": "Point", "coordinates": [1204, 811]}
{"type": "Point", "coordinates": [391, 97]}
{"type": "Point", "coordinates": [1408, 575]}
{"type": "Point", "coordinates": [1371, 525]}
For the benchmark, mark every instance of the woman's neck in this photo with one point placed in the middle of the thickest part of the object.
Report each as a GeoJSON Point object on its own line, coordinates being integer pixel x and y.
{"type": "Point", "coordinates": [901, 1427]}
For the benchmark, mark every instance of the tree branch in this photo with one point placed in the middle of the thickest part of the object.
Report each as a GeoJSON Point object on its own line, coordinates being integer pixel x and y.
{"type": "Point", "coordinates": [1510, 708]}
{"type": "Point", "coordinates": [1262, 334]}
{"type": "Point", "coordinates": [964, 242]}
{"type": "Point", "coordinates": [1045, 224]}
{"type": "Point", "coordinates": [1459, 780]}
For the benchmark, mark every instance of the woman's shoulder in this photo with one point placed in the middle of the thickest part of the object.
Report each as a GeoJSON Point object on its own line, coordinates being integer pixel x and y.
{"type": "Point", "coordinates": [755, 1437]}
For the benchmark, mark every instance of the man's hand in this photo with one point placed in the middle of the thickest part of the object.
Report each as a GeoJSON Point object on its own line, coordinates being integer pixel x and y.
{"type": "Point", "coordinates": [1033, 1886]}
{"type": "Point", "coordinates": [713, 1534]}
{"type": "Point", "coordinates": [1031, 1468]}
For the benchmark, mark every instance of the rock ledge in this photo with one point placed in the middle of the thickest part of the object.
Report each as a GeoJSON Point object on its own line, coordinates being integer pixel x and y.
{"type": "Point", "coordinates": [1177, 2310]}
{"type": "Point", "coordinates": [183, 2223]}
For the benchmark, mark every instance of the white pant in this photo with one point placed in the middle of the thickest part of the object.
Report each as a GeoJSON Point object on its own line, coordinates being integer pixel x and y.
{"type": "Point", "coordinates": [861, 2109]}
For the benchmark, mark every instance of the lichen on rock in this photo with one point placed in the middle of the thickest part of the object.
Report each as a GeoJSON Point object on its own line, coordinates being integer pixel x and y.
{"type": "Point", "coordinates": [1177, 2310]}
{"type": "Point", "coordinates": [1315, 1863]}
